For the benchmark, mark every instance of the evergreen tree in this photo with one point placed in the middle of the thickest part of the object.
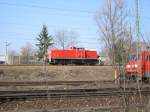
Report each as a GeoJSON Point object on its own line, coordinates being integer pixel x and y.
{"type": "Point", "coordinates": [44, 41]}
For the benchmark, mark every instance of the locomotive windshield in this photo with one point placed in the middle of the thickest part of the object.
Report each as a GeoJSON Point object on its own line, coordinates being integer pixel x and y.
{"type": "Point", "coordinates": [134, 57]}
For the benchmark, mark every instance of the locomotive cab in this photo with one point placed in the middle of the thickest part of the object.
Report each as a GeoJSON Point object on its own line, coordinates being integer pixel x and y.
{"type": "Point", "coordinates": [138, 66]}
{"type": "Point", "coordinates": [132, 67]}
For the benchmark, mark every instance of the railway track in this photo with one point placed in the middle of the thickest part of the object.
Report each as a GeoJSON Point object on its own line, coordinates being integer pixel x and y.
{"type": "Point", "coordinates": [102, 84]}
{"type": "Point", "coordinates": [70, 93]}
{"type": "Point", "coordinates": [52, 83]}
{"type": "Point", "coordinates": [93, 109]}
{"type": "Point", "coordinates": [48, 65]}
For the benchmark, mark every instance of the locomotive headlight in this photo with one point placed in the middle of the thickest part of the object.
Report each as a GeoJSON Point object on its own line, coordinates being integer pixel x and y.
{"type": "Point", "coordinates": [128, 66]}
{"type": "Point", "coordinates": [135, 65]}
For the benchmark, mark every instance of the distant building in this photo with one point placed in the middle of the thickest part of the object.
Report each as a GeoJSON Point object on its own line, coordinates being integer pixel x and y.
{"type": "Point", "coordinates": [2, 59]}
{"type": "Point", "coordinates": [105, 59]}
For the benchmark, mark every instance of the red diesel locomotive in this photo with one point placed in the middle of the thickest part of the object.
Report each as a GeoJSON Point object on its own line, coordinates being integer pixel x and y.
{"type": "Point", "coordinates": [73, 56]}
{"type": "Point", "coordinates": [138, 66]}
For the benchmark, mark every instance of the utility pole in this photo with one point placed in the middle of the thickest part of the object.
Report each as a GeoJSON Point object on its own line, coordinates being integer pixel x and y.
{"type": "Point", "coordinates": [137, 25]}
{"type": "Point", "coordinates": [6, 52]}
{"type": "Point", "coordinates": [138, 43]}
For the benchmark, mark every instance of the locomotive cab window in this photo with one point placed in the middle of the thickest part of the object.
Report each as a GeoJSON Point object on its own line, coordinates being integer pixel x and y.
{"type": "Point", "coordinates": [134, 57]}
{"type": "Point", "coordinates": [148, 58]}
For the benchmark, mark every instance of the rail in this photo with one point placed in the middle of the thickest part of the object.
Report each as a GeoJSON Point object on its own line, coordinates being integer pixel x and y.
{"type": "Point", "coordinates": [40, 83]}
{"type": "Point", "coordinates": [112, 90]}
{"type": "Point", "coordinates": [49, 65]}
{"type": "Point", "coordinates": [69, 93]}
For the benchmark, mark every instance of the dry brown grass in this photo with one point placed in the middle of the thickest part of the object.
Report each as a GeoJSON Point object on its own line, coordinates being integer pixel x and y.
{"type": "Point", "coordinates": [66, 73]}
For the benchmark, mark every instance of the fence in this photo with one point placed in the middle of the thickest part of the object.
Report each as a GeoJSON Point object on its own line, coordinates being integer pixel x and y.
{"type": "Point", "coordinates": [23, 60]}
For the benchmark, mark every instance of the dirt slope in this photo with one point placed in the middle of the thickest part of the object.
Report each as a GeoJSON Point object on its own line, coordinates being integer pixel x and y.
{"type": "Point", "coordinates": [37, 73]}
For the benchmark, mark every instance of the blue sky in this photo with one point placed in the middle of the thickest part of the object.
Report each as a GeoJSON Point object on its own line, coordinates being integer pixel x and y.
{"type": "Point", "coordinates": [21, 21]}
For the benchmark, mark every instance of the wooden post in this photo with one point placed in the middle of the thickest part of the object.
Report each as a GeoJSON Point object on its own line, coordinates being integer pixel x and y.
{"type": "Point", "coordinates": [116, 76]}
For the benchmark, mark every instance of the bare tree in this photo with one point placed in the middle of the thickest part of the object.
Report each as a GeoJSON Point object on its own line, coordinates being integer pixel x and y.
{"type": "Point", "coordinates": [11, 55]}
{"type": "Point", "coordinates": [65, 39]}
{"type": "Point", "coordinates": [27, 51]}
{"type": "Point", "coordinates": [115, 30]}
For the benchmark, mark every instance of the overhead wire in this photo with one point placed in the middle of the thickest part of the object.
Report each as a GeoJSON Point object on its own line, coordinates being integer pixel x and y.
{"type": "Point", "coordinates": [56, 9]}
{"type": "Point", "coordinates": [45, 7]}
{"type": "Point", "coordinates": [22, 25]}
{"type": "Point", "coordinates": [65, 11]}
{"type": "Point", "coordinates": [79, 40]}
{"type": "Point", "coordinates": [81, 36]}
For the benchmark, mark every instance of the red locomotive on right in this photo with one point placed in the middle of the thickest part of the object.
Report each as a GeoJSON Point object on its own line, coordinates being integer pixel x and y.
{"type": "Point", "coordinates": [138, 66]}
